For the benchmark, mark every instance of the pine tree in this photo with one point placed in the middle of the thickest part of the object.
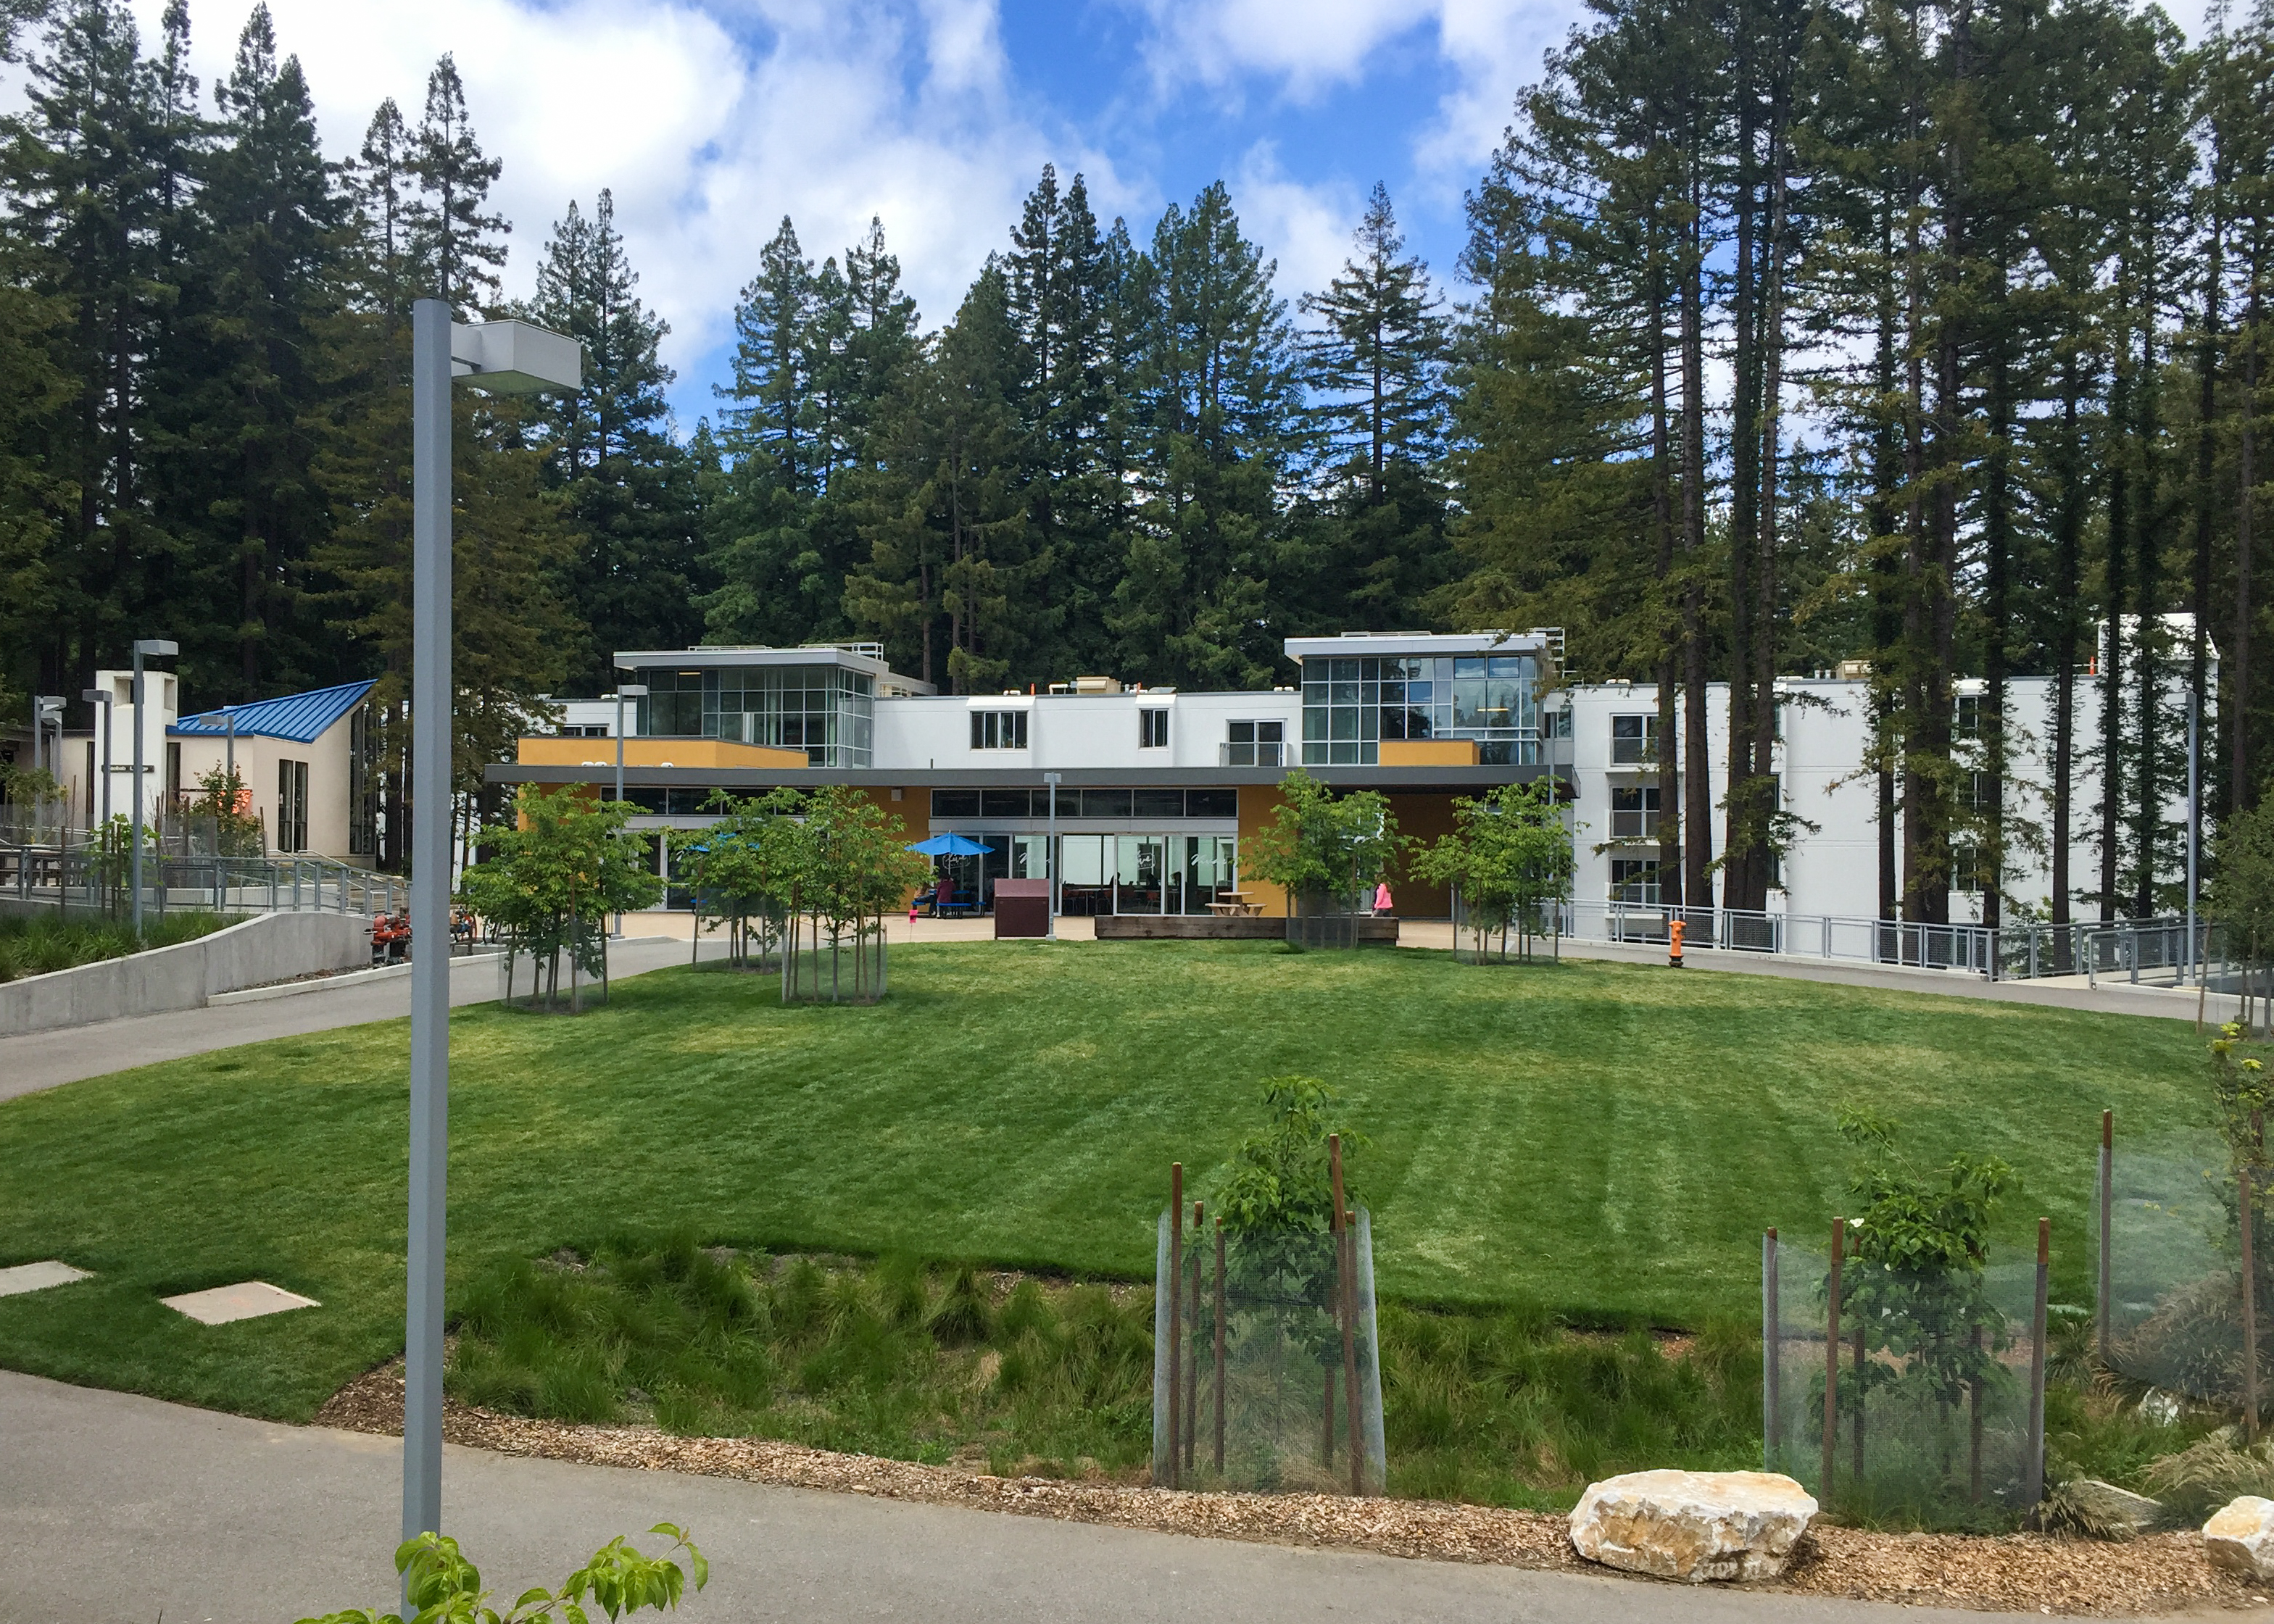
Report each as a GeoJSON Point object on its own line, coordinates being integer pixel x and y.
{"type": "Point", "coordinates": [1216, 398]}
{"type": "Point", "coordinates": [944, 519]}
{"type": "Point", "coordinates": [83, 175]}
{"type": "Point", "coordinates": [246, 424]}
{"type": "Point", "coordinates": [628, 490]}
{"type": "Point", "coordinates": [453, 238]}
{"type": "Point", "coordinates": [1375, 371]}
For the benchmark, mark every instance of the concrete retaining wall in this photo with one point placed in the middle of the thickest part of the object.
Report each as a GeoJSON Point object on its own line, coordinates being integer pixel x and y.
{"type": "Point", "coordinates": [266, 948]}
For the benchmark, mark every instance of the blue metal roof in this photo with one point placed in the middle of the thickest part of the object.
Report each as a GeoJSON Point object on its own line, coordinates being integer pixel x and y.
{"type": "Point", "coordinates": [301, 718]}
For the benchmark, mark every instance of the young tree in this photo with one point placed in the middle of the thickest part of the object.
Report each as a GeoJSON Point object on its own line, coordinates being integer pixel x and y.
{"type": "Point", "coordinates": [552, 873]}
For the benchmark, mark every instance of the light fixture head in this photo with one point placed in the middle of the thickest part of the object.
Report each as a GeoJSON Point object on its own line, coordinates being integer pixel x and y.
{"type": "Point", "coordinates": [95, 695]}
{"type": "Point", "coordinates": [514, 357]}
{"type": "Point", "coordinates": [631, 690]}
{"type": "Point", "coordinates": [156, 647]}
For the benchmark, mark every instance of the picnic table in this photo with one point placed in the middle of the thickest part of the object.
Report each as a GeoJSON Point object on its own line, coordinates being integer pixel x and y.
{"type": "Point", "coordinates": [1234, 904]}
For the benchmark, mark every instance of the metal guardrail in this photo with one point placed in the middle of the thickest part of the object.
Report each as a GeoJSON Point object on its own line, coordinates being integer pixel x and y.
{"type": "Point", "coordinates": [2144, 952]}
{"type": "Point", "coordinates": [84, 880]}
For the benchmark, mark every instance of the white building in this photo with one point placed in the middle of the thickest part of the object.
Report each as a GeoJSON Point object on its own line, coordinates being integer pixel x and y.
{"type": "Point", "coordinates": [1155, 788]}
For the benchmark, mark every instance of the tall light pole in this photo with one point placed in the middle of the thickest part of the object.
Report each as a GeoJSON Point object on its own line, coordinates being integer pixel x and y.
{"type": "Point", "coordinates": [229, 761]}
{"type": "Point", "coordinates": [505, 357]}
{"type": "Point", "coordinates": [154, 648]}
{"type": "Point", "coordinates": [1050, 850]}
{"type": "Point", "coordinates": [624, 690]}
{"type": "Point", "coordinates": [101, 698]}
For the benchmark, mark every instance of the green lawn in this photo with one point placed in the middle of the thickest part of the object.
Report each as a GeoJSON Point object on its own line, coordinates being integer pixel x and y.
{"type": "Point", "coordinates": [1605, 1140]}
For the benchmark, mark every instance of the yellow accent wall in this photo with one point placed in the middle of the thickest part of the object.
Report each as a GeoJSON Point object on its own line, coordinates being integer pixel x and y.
{"type": "Point", "coordinates": [1257, 804]}
{"type": "Point", "coordinates": [1428, 752]}
{"type": "Point", "coordinates": [658, 753]}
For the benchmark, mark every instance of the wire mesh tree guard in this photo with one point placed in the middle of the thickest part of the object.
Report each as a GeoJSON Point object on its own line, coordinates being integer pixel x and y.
{"type": "Point", "coordinates": [1267, 1371]}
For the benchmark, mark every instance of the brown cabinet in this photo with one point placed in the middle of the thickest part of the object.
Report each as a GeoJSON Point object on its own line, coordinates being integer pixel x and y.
{"type": "Point", "coordinates": [1022, 908]}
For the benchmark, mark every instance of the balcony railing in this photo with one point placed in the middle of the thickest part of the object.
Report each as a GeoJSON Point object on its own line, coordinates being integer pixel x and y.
{"type": "Point", "coordinates": [1273, 753]}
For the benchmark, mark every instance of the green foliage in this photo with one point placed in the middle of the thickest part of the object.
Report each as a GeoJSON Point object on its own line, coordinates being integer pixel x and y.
{"type": "Point", "coordinates": [221, 796]}
{"type": "Point", "coordinates": [553, 875]}
{"type": "Point", "coordinates": [895, 1358]}
{"type": "Point", "coordinates": [37, 945]}
{"type": "Point", "coordinates": [1321, 843]}
{"type": "Point", "coordinates": [443, 1587]}
{"type": "Point", "coordinates": [1019, 1103]}
{"type": "Point", "coordinates": [741, 869]}
{"type": "Point", "coordinates": [1277, 1180]}
{"type": "Point", "coordinates": [1508, 857]}
{"type": "Point", "coordinates": [1915, 1284]}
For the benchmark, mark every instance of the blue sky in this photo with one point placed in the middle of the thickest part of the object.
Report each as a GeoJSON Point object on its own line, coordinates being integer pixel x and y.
{"type": "Point", "coordinates": [711, 118]}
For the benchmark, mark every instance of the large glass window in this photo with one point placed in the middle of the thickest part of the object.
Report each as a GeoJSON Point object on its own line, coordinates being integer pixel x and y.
{"type": "Point", "coordinates": [999, 730]}
{"type": "Point", "coordinates": [1140, 873]}
{"type": "Point", "coordinates": [1255, 744]}
{"type": "Point", "coordinates": [1634, 879]}
{"type": "Point", "coordinates": [1634, 812]}
{"type": "Point", "coordinates": [1351, 704]}
{"type": "Point", "coordinates": [826, 710]}
{"type": "Point", "coordinates": [1634, 739]}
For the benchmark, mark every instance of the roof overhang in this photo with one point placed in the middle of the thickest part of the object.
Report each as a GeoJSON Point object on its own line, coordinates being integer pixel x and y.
{"type": "Point", "coordinates": [1360, 645]}
{"type": "Point", "coordinates": [1389, 780]}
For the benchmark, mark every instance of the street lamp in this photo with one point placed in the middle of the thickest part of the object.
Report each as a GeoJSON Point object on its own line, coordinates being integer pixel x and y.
{"type": "Point", "coordinates": [47, 711]}
{"type": "Point", "coordinates": [149, 648]}
{"type": "Point", "coordinates": [503, 358]}
{"type": "Point", "coordinates": [624, 690]}
{"type": "Point", "coordinates": [1050, 850]}
{"type": "Point", "coordinates": [102, 696]}
{"type": "Point", "coordinates": [229, 761]}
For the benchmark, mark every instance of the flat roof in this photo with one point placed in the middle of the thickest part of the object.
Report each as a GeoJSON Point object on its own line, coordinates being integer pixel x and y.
{"type": "Point", "coordinates": [1351, 645]}
{"type": "Point", "coordinates": [722, 657]}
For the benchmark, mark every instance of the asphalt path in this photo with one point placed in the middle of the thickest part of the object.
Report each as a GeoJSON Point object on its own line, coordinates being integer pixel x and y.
{"type": "Point", "coordinates": [45, 1059]}
{"type": "Point", "coordinates": [125, 1508]}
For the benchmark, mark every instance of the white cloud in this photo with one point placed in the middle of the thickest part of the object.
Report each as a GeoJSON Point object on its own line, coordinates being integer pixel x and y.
{"type": "Point", "coordinates": [1306, 228]}
{"type": "Point", "coordinates": [710, 121]}
{"type": "Point", "coordinates": [1491, 49]}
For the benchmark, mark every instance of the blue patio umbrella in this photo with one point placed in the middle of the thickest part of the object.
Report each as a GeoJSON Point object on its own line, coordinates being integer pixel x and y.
{"type": "Point", "coordinates": [949, 846]}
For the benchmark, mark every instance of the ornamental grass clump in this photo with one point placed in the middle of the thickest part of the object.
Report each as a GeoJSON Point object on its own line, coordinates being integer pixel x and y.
{"type": "Point", "coordinates": [896, 1358]}
{"type": "Point", "coordinates": [40, 946]}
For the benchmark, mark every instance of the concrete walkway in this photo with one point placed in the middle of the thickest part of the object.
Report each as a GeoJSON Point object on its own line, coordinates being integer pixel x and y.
{"type": "Point", "coordinates": [123, 1508]}
{"type": "Point", "coordinates": [45, 1059]}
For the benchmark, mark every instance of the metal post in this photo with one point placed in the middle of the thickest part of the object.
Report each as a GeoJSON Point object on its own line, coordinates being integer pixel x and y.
{"type": "Point", "coordinates": [143, 647]}
{"type": "Point", "coordinates": [620, 775]}
{"type": "Point", "coordinates": [1345, 1237]}
{"type": "Point", "coordinates": [1175, 1282]}
{"type": "Point", "coordinates": [100, 698]}
{"type": "Point", "coordinates": [2033, 1468]}
{"type": "Point", "coordinates": [430, 921]}
{"type": "Point", "coordinates": [229, 761]}
{"type": "Point", "coordinates": [1051, 853]}
{"type": "Point", "coordinates": [1772, 1352]}
{"type": "Point", "coordinates": [1832, 1358]}
{"type": "Point", "coordinates": [2249, 1313]}
{"type": "Point", "coordinates": [1219, 1345]}
{"type": "Point", "coordinates": [2107, 1190]}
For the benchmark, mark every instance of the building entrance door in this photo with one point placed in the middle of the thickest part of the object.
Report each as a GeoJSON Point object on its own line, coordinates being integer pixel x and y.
{"type": "Point", "coordinates": [1141, 872]}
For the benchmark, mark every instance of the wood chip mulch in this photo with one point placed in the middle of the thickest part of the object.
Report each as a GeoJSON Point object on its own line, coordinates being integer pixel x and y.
{"type": "Point", "coordinates": [2018, 1572]}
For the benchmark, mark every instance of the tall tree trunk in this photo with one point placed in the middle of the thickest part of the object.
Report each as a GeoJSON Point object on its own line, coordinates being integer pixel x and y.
{"type": "Point", "coordinates": [2237, 683]}
{"type": "Point", "coordinates": [1696, 759]}
{"type": "Point", "coordinates": [1662, 497]}
{"type": "Point", "coordinates": [2068, 528]}
{"type": "Point", "coordinates": [1739, 853]}
{"type": "Point", "coordinates": [2111, 652]}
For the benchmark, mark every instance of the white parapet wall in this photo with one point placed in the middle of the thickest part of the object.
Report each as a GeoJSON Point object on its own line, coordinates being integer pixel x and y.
{"type": "Point", "coordinates": [270, 947]}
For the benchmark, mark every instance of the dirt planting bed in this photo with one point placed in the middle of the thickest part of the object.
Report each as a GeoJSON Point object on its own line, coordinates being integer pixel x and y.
{"type": "Point", "coordinates": [2020, 1573]}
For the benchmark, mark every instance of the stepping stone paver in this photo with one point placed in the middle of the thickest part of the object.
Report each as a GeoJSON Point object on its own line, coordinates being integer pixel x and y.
{"type": "Point", "coordinates": [247, 1299]}
{"type": "Point", "coordinates": [37, 1276]}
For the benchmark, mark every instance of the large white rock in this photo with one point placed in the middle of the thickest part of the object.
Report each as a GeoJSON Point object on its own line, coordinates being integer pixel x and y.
{"type": "Point", "coordinates": [2239, 1536]}
{"type": "Point", "coordinates": [1693, 1526]}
